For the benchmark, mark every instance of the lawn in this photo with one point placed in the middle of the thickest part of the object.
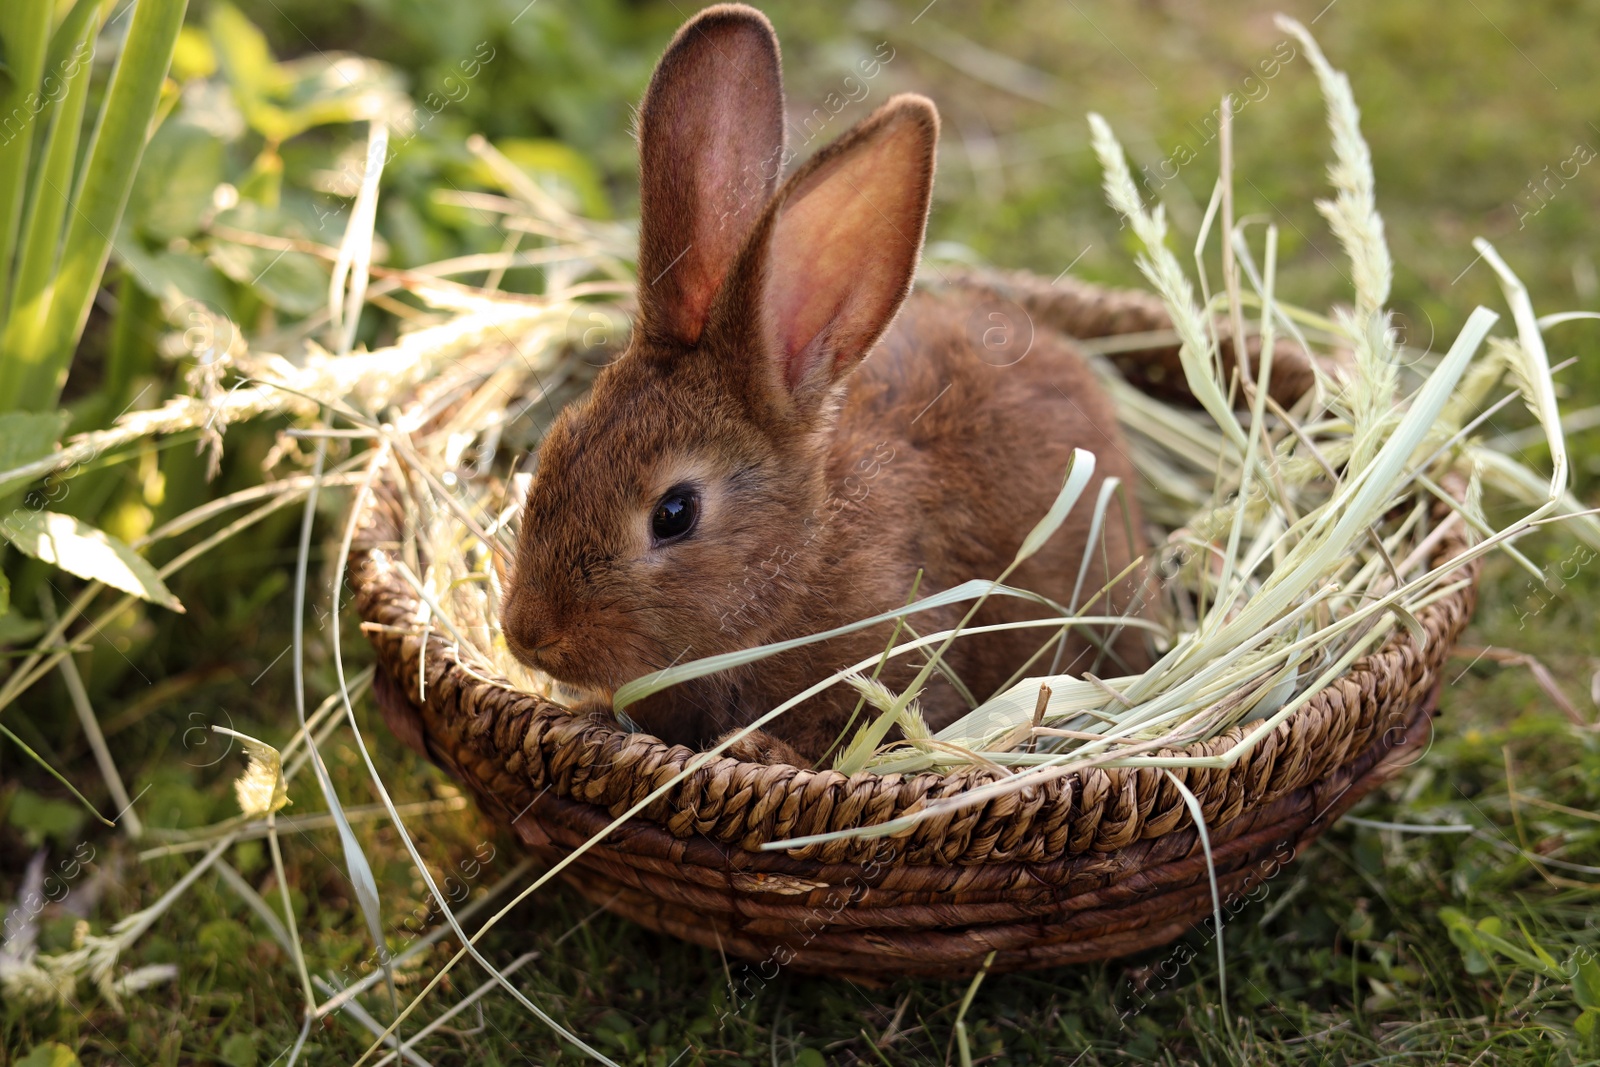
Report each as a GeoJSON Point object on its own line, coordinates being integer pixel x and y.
{"type": "Point", "coordinates": [1476, 945]}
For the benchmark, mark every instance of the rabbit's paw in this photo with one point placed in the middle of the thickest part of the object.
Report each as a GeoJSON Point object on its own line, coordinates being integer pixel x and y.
{"type": "Point", "coordinates": [758, 746]}
{"type": "Point", "coordinates": [597, 713]}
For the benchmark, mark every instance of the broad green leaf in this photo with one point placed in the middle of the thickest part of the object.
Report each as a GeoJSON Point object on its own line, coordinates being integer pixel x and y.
{"type": "Point", "coordinates": [174, 277]}
{"type": "Point", "coordinates": [336, 88]}
{"type": "Point", "coordinates": [239, 1050]}
{"type": "Point", "coordinates": [281, 100]}
{"type": "Point", "coordinates": [27, 436]}
{"type": "Point", "coordinates": [41, 818]}
{"type": "Point", "coordinates": [51, 1055]}
{"type": "Point", "coordinates": [80, 549]}
{"type": "Point", "coordinates": [246, 60]}
{"type": "Point", "coordinates": [1466, 938]}
{"type": "Point", "coordinates": [263, 183]}
{"type": "Point", "coordinates": [291, 281]}
{"type": "Point", "coordinates": [1586, 982]}
{"type": "Point", "coordinates": [15, 627]}
{"type": "Point", "coordinates": [181, 168]}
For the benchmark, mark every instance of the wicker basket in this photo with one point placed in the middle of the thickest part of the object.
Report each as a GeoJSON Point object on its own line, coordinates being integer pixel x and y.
{"type": "Point", "coordinates": [1086, 867]}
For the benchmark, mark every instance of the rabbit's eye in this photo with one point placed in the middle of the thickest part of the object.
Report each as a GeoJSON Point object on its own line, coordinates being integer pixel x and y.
{"type": "Point", "coordinates": [675, 515]}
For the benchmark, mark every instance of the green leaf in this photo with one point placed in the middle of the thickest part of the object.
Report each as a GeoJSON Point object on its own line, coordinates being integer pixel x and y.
{"type": "Point", "coordinates": [173, 277]}
{"type": "Point", "coordinates": [290, 281]}
{"type": "Point", "coordinates": [263, 182]}
{"type": "Point", "coordinates": [1466, 938]}
{"type": "Point", "coordinates": [108, 168]}
{"type": "Point", "coordinates": [1586, 1022]}
{"type": "Point", "coordinates": [295, 282]}
{"type": "Point", "coordinates": [281, 100]}
{"type": "Point", "coordinates": [25, 437]}
{"type": "Point", "coordinates": [246, 60]}
{"type": "Point", "coordinates": [1539, 950]}
{"type": "Point", "coordinates": [1586, 982]}
{"type": "Point", "coordinates": [42, 818]}
{"type": "Point", "coordinates": [335, 88]}
{"type": "Point", "coordinates": [15, 627]}
{"type": "Point", "coordinates": [239, 1050]}
{"type": "Point", "coordinates": [51, 1055]}
{"type": "Point", "coordinates": [80, 549]}
{"type": "Point", "coordinates": [24, 37]}
{"type": "Point", "coordinates": [182, 167]}
{"type": "Point", "coordinates": [26, 326]}
{"type": "Point", "coordinates": [70, 30]}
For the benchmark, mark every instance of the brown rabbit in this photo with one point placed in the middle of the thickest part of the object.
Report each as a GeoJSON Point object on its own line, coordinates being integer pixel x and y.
{"type": "Point", "coordinates": [745, 474]}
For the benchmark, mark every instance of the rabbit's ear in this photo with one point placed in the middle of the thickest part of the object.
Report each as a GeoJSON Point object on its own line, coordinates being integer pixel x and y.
{"type": "Point", "coordinates": [842, 242]}
{"type": "Point", "coordinates": [710, 154]}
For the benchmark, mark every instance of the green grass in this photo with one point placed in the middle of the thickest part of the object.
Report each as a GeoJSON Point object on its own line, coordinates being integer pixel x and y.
{"type": "Point", "coordinates": [1353, 962]}
{"type": "Point", "coordinates": [1349, 957]}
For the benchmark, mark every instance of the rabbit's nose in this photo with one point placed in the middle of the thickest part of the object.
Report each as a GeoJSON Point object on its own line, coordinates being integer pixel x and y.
{"type": "Point", "coordinates": [528, 636]}
{"type": "Point", "coordinates": [531, 649]}
{"type": "Point", "coordinates": [527, 629]}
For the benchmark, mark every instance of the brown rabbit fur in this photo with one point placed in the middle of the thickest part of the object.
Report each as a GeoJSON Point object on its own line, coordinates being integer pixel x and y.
{"type": "Point", "coordinates": [821, 480]}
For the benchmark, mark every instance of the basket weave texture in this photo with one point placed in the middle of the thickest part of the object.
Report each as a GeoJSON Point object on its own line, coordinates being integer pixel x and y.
{"type": "Point", "coordinates": [1090, 865]}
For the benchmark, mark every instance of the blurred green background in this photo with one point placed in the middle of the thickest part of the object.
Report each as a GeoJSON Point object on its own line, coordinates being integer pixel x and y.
{"type": "Point", "coordinates": [1467, 108]}
{"type": "Point", "coordinates": [1483, 119]}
